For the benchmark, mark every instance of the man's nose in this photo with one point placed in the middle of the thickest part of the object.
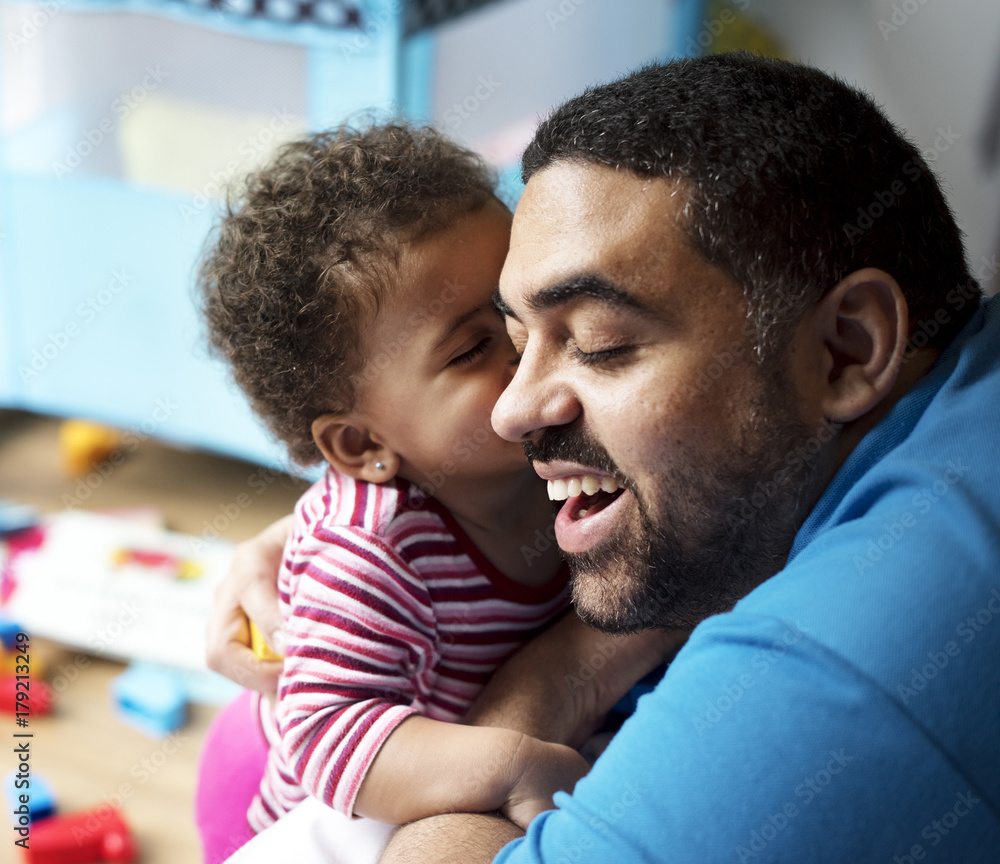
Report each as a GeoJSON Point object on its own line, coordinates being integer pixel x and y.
{"type": "Point", "coordinates": [534, 400]}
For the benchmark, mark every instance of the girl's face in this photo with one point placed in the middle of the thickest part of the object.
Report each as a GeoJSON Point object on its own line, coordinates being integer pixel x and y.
{"type": "Point", "coordinates": [438, 357]}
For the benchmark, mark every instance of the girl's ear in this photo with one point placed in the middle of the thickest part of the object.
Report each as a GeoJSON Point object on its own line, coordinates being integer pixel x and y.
{"type": "Point", "coordinates": [351, 447]}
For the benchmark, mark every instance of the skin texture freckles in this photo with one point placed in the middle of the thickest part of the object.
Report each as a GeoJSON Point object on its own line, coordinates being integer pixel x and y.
{"type": "Point", "coordinates": [675, 546]}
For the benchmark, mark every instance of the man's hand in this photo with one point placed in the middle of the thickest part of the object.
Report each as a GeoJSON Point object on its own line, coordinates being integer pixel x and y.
{"type": "Point", "coordinates": [250, 590]}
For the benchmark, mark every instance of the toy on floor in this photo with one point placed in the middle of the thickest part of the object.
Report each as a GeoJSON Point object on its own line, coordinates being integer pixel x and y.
{"type": "Point", "coordinates": [85, 444]}
{"type": "Point", "coordinates": [9, 628]}
{"type": "Point", "coordinates": [16, 517]}
{"type": "Point", "coordinates": [172, 565]}
{"type": "Point", "coordinates": [69, 589]}
{"type": "Point", "coordinates": [151, 699]}
{"type": "Point", "coordinates": [9, 662]}
{"type": "Point", "coordinates": [86, 837]}
{"type": "Point", "coordinates": [38, 698]}
{"type": "Point", "coordinates": [41, 803]}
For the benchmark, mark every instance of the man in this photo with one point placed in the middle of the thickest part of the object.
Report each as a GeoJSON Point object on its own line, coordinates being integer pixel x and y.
{"type": "Point", "coordinates": [739, 292]}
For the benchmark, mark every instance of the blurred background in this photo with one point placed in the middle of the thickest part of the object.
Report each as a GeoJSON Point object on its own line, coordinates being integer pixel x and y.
{"type": "Point", "coordinates": [122, 122]}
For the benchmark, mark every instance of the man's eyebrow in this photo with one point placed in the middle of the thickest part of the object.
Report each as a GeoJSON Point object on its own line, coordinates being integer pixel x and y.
{"type": "Point", "coordinates": [585, 286]}
{"type": "Point", "coordinates": [591, 287]}
{"type": "Point", "coordinates": [457, 323]}
{"type": "Point", "coordinates": [501, 307]}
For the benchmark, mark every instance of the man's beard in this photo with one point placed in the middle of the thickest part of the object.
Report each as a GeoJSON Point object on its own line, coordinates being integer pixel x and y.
{"type": "Point", "coordinates": [712, 533]}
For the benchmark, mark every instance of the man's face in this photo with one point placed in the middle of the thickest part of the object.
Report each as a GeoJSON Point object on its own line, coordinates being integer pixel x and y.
{"type": "Point", "coordinates": [636, 371]}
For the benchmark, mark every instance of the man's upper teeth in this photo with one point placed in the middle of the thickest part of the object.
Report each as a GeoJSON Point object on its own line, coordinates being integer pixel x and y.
{"type": "Point", "coordinates": [588, 484]}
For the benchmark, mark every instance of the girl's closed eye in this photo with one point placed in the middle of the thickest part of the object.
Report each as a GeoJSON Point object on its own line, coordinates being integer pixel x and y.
{"type": "Point", "coordinates": [472, 353]}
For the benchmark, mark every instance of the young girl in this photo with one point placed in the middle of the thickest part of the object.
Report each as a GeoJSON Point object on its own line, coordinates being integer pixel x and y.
{"type": "Point", "coordinates": [350, 290]}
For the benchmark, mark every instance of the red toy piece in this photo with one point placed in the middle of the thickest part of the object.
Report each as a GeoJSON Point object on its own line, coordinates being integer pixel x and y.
{"type": "Point", "coordinates": [35, 698]}
{"type": "Point", "coordinates": [87, 837]}
{"type": "Point", "coordinates": [153, 559]}
{"type": "Point", "coordinates": [145, 557]}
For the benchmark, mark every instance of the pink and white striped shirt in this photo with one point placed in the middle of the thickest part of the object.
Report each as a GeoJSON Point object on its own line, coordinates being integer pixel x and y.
{"type": "Point", "coordinates": [390, 610]}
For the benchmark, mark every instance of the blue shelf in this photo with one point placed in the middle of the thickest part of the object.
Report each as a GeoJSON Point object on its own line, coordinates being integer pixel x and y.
{"type": "Point", "coordinates": [97, 262]}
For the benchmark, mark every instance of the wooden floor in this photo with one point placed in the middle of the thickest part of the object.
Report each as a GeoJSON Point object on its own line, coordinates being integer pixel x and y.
{"type": "Point", "coordinates": [90, 757]}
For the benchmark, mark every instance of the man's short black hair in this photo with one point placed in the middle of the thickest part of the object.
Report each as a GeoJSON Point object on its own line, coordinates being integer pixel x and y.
{"type": "Point", "coordinates": [794, 180]}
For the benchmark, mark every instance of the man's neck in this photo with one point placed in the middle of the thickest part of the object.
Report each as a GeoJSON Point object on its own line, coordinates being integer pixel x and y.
{"type": "Point", "coordinates": [913, 369]}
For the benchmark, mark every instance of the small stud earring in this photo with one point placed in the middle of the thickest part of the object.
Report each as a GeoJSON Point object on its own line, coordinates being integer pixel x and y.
{"type": "Point", "coordinates": [379, 466]}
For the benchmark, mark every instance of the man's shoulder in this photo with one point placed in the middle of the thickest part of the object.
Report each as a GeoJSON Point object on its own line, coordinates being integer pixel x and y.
{"type": "Point", "coordinates": [907, 532]}
{"type": "Point", "coordinates": [761, 743]}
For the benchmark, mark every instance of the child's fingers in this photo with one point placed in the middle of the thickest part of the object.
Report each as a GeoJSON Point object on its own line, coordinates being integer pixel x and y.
{"type": "Point", "coordinates": [253, 580]}
{"type": "Point", "coordinates": [228, 644]}
{"type": "Point", "coordinates": [247, 670]}
{"type": "Point", "coordinates": [229, 654]}
{"type": "Point", "coordinates": [522, 812]}
{"type": "Point", "coordinates": [259, 600]}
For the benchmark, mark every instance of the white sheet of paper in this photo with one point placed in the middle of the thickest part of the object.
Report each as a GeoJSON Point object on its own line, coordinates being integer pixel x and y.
{"type": "Point", "coordinates": [70, 590]}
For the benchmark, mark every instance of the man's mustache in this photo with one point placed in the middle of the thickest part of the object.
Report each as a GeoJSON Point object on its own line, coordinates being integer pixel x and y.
{"type": "Point", "coordinates": [572, 444]}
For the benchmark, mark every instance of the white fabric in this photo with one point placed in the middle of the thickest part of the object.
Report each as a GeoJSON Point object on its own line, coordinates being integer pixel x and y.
{"type": "Point", "coordinates": [312, 833]}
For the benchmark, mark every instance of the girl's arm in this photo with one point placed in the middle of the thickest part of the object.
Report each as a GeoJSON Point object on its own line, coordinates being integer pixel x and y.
{"type": "Point", "coordinates": [362, 635]}
{"type": "Point", "coordinates": [551, 689]}
{"type": "Point", "coordinates": [427, 767]}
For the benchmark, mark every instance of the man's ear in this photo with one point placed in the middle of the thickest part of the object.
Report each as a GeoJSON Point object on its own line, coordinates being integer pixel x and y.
{"type": "Point", "coordinates": [861, 327]}
{"type": "Point", "coordinates": [349, 446]}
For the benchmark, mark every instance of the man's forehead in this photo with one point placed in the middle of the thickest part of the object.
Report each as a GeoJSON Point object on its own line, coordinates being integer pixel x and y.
{"type": "Point", "coordinates": [580, 218]}
{"type": "Point", "coordinates": [568, 192]}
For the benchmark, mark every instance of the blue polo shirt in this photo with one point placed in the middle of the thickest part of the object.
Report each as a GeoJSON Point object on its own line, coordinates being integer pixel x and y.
{"type": "Point", "coordinates": [848, 709]}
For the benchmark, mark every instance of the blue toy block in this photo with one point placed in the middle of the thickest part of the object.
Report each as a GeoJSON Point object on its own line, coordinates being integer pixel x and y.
{"type": "Point", "coordinates": [16, 517]}
{"type": "Point", "coordinates": [151, 699]}
{"type": "Point", "coordinates": [9, 628]}
{"type": "Point", "coordinates": [41, 799]}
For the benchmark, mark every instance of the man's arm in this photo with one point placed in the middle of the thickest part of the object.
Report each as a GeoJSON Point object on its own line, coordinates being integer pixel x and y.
{"type": "Point", "coordinates": [560, 686]}
{"type": "Point", "coordinates": [454, 838]}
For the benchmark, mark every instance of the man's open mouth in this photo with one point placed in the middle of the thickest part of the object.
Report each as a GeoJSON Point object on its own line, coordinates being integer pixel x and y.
{"type": "Point", "coordinates": [587, 494]}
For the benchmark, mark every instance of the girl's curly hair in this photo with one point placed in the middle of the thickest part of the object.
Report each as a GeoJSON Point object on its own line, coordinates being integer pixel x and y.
{"type": "Point", "coordinates": [302, 256]}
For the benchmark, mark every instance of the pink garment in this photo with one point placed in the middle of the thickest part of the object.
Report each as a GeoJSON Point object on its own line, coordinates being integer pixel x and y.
{"type": "Point", "coordinates": [232, 763]}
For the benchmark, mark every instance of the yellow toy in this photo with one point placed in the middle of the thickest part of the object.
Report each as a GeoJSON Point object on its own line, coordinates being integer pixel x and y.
{"type": "Point", "coordinates": [85, 444]}
{"type": "Point", "coordinates": [260, 647]}
{"type": "Point", "coordinates": [9, 661]}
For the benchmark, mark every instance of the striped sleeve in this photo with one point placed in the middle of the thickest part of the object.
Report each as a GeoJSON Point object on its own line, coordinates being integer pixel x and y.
{"type": "Point", "coordinates": [360, 653]}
